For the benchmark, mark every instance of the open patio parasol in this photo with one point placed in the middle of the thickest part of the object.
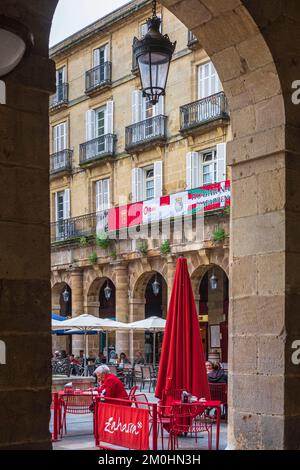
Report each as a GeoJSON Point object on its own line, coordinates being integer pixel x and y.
{"type": "Point", "coordinates": [153, 324]}
{"type": "Point", "coordinates": [182, 363]}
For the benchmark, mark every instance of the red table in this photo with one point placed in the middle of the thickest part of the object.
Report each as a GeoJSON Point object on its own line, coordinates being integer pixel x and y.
{"type": "Point", "coordinates": [207, 405]}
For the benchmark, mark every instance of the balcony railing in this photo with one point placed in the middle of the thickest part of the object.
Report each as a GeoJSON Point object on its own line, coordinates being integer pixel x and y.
{"type": "Point", "coordinates": [61, 96]}
{"type": "Point", "coordinates": [150, 130]}
{"type": "Point", "coordinates": [98, 77]}
{"type": "Point", "coordinates": [192, 40]}
{"type": "Point", "coordinates": [103, 146]}
{"type": "Point", "coordinates": [76, 227]}
{"type": "Point", "coordinates": [61, 161]}
{"type": "Point", "coordinates": [203, 111]}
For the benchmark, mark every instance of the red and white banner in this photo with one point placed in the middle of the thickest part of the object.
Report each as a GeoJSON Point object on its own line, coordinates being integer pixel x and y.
{"type": "Point", "coordinates": [123, 426]}
{"type": "Point", "coordinates": [207, 198]}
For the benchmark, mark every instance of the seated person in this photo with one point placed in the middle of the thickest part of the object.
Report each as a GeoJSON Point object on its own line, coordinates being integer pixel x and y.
{"type": "Point", "coordinates": [138, 359]}
{"type": "Point", "coordinates": [113, 358]}
{"type": "Point", "coordinates": [101, 359]}
{"type": "Point", "coordinates": [123, 359]}
{"type": "Point", "coordinates": [216, 374]}
{"type": "Point", "coordinates": [110, 385]}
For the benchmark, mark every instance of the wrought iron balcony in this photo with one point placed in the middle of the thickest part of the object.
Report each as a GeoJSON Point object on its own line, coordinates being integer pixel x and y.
{"type": "Point", "coordinates": [60, 98]}
{"type": "Point", "coordinates": [192, 41]}
{"type": "Point", "coordinates": [76, 227]}
{"type": "Point", "coordinates": [150, 131]}
{"type": "Point", "coordinates": [101, 147]}
{"type": "Point", "coordinates": [61, 161]}
{"type": "Point", "coordinates": [203, 111]}
{"type": "Point", "coordinates": [97, 78]}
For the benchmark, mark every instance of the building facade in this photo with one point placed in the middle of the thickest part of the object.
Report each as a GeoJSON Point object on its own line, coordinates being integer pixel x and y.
{"type": "Point", "coordinates": [112, 153]}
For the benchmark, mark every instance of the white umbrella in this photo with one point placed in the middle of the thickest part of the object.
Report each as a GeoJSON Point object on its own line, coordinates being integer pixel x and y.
{"type": "Point", "coordinates": [85, 323]}
{"type": "Point", "coordinates": [57, 325]}
{"type": "Point", "coordinates": [153, 324]}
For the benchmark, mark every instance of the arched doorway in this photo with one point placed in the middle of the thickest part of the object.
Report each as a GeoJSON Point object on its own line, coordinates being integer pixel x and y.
{"type": "Point", "coordinates": [62, 299]}
{"type": "Point", "coordinates": [62, 306]}
{"type": "Point", "coordinates": [150, 299]}
{"type": "Point", "coordinates": [213, 313]}
{"type": "Point", "coordinates": [101, 302]}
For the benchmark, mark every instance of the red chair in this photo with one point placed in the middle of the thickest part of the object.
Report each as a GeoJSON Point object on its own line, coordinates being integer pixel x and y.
{"type": "Point", "coordinates": [75, 405]}
{"type": "Point", "coordinates": [131, 394]}
{"type": "Point", "coordinates": [189, 418]}
{"type": "Point", "coordinates": [218, 392]}
{"type": "Point", "coordinates": [164, 414]}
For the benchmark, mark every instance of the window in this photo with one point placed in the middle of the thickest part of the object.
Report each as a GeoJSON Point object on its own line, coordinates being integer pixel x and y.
{"type": "Point", "coordinates": [209, 167]}
{"type": "Point", "coordinates": [62, 213]}
{"type": "Point", "coordinates": [102, 195]}
{"type": "Point", "coordinates": [60, 81]}
{"type": "Point", "coordinates": [59, 137]}
{"type": "Point", "coordinates": [100, 127]}
{"type": "Point", "coordinates": [147, 182]}
{"type": "Point", "coordinates": [206, 167]}
{"type": "Point", "coordinates": [99, 123]}
{"type": "Point", "coordinates": [102, 204]}
{"type": "Point", "coordinates": [208, 81]}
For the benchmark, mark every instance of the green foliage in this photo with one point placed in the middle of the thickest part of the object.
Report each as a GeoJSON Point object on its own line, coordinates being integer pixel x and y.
{"type": "Point", "coordinates": [142, 246]}
{"type": "Point", "coordinates": [226, 210]}
{"type": "Point", "coordinates": [165, 247]}
{"type": "Point", "coordinates": [93, 257]}
{"type": "Point", "coordinates": [113, 254]}
{"type": "Point", "coordinates": [83, 241]}
{"type": "Point", "coordinates": [102, 240]}
{"type": "Point", "coordinates": [219, 235]}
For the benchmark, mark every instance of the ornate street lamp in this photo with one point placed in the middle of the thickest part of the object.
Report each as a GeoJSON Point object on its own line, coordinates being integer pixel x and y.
{"type": "Point", "coordinates": [153, 54]}
{"type": "Point", "coordinates": [213, 281]}
{"type": "Point", "coordinates": [156, 286]}
{"type": "Point", "coordinates": [66, 295]}
{"type": "Point", "coordinates": [107, 292]}
{"type": "Point", "coordinates": [15, 39]}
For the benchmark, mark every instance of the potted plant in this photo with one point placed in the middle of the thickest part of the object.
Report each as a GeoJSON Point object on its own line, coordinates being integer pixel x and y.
{"type": "Point", "coordinates": [219, 234]}
{"type": "Point", "coordinates": [102, 240]}
{"type": "Point", "coordinates": [83, 241]}
{"type": "Point", "coordinates": [113, 255]}
{"type": "Point", "coordinates": [93, 257]}
{"type": "Point", "coordinates": [165, 247]}
{"type": "Point", "coordinates": [142, 247]}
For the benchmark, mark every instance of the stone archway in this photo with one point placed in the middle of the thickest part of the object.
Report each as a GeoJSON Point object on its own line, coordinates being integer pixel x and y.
{"type": "Point", "coordinates": [248, 43]}
{"type": "Point", "coordinates": [59, 306]}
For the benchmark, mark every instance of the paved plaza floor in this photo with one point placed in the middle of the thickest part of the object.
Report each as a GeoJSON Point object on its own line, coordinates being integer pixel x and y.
{"type": "Point", "coordinates": [80, 435]}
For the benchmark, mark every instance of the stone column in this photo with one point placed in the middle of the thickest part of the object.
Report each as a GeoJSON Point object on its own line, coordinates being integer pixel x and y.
{"type": "Point", "coordinates": [171, 262]}
{"type": "Point", "coordinates": [122, 306]}
{"type": "Point", "coordinates": [78, 341]}
{"type": "Point", "coordinates": [137, 312]}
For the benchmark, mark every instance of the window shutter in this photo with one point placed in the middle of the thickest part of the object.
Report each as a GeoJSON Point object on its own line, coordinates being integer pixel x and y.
{"type": "Point", "coordinates": [56, 207]}
{"type": "Point", "coordinates": [96, 57]}
{"type": "Point", "coordinates": [158, 178]}
{"type": "Point", "coordinates": [107, 194]}
{"type": "Point", "coordinates": [55, 139]}
{"type": "Point", "coordinates": [143, 29]}
{"type": "Point", "coordinates": [63, 136]}
{"type": "Point", "coordinates": [159, 107]}
{"type": "Point", "coordinates": [109, 117]}
{"type": "Point", "coordinates": [137, 184]}
{"type": "Point", "coordinates": [67, 204]}
{"type": "Point", "coordinates": [193, 170]}
{"type": "Point", "coordinates": [221, 162]}
{"type": "Point", "coordinates": [136, 106]}
{"type": "Point", "coordinates": [98, 195]}
{"type": "Point", "coordinates": [196, 171]}
{"type": "Point", "coordinates": [106, 53]}
{"type": "Point", "coordinates": [189, 170]}
{"type": "Point", "coordinates": [90, 125]}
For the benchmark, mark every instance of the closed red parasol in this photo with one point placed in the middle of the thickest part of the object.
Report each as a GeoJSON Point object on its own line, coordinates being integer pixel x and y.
{"type": "Point", "coordinates": [182, 363]}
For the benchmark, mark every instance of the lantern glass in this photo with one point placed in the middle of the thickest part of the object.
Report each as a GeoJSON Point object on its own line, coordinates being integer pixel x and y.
{"type": "Point", "coordinates": [107, 292]}
{"type": "Point", "coordinates": [66, 295]}
{"type": "Point", "coordinates": [213, 282]}
{"type": "Point", "coordinates": [155, 287]}
{"type": "Point", "coordinates": [154, 69]}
